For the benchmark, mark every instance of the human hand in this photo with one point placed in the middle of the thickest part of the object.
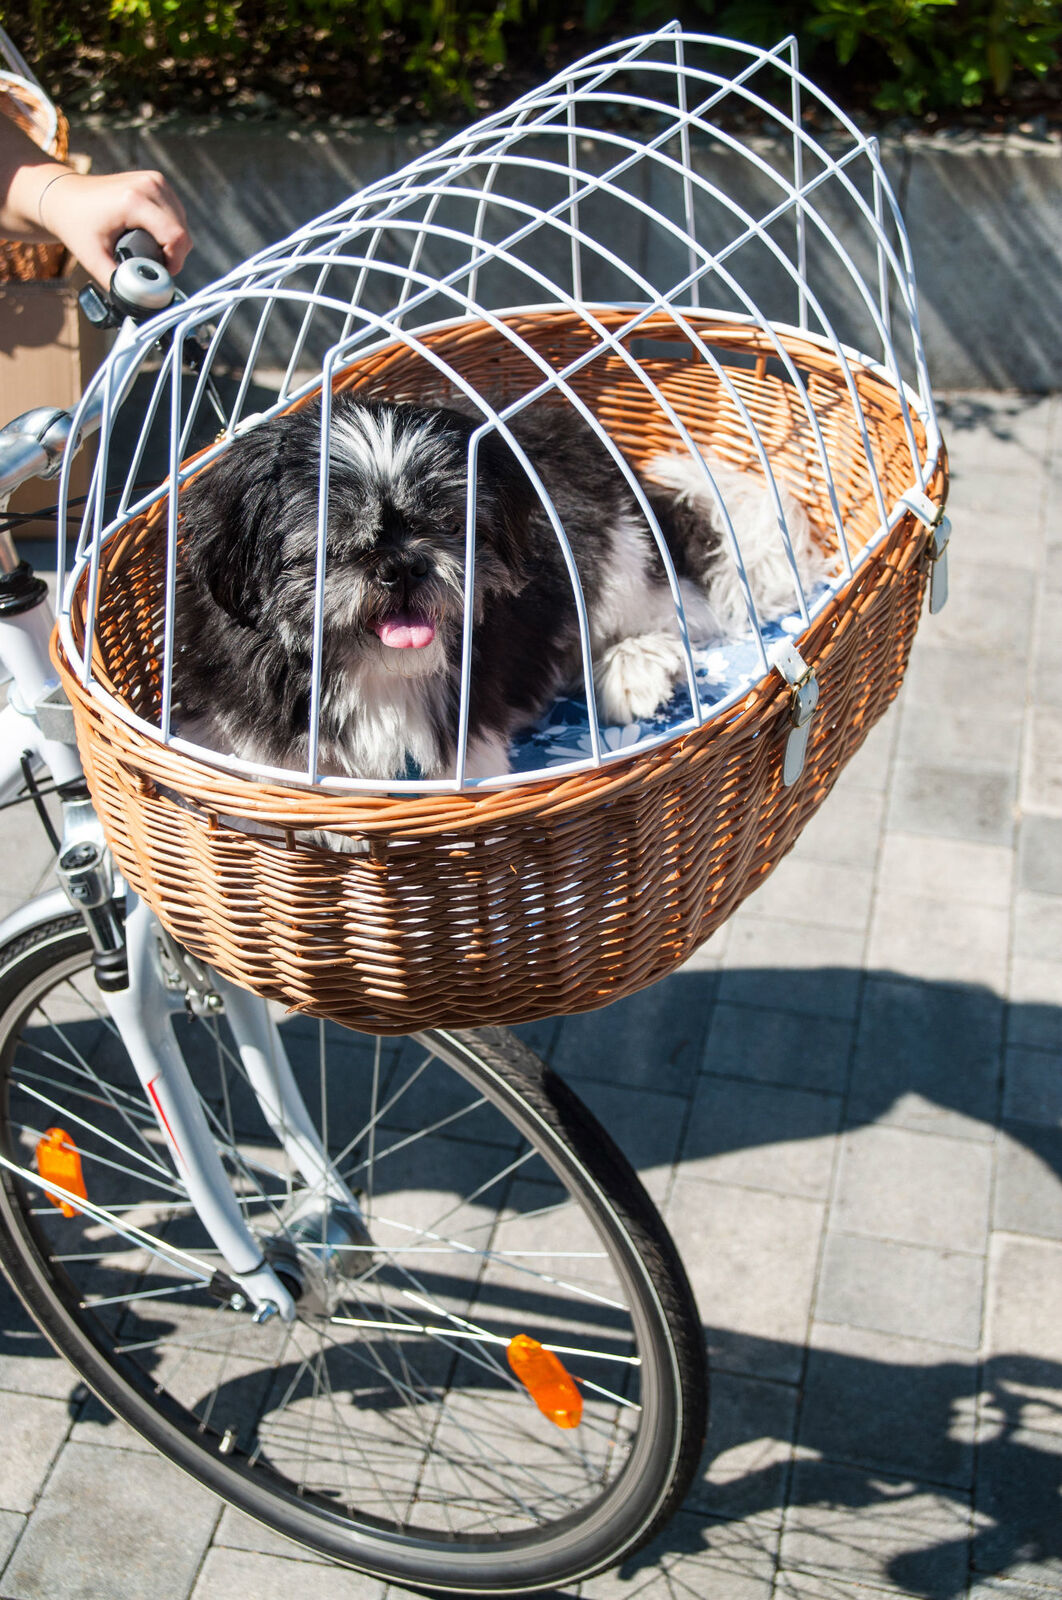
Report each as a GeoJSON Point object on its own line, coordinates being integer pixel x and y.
{"type": "Point", "coordinates": [89, 214]}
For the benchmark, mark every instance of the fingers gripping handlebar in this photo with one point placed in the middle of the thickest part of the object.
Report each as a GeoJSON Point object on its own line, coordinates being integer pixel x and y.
{"type": "Point", "coordinates": [140, 284]}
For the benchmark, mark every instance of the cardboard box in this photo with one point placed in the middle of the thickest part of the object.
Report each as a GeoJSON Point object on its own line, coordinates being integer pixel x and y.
{"type": "Point", "coordinates": [48, 352]}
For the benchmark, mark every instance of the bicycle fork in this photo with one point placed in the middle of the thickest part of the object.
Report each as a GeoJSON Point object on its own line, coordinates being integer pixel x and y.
{"type": "Point", "coordinates": [143, 1012]}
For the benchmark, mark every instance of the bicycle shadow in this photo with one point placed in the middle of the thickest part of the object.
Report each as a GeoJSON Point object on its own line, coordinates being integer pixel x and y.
{"type": "Point", "coordinates": [850, 1522]}
{"type": "Point", "coordinates": [890, 1469]}
{"type": "Point", "coordinates": [871, 1456]}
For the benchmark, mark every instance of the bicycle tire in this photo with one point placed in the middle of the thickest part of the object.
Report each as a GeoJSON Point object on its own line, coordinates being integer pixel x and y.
{"type": "Point", "coordinates": [602, 1492]}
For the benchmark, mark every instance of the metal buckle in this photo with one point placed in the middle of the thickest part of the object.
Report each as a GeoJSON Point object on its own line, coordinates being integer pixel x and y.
{"type": "Point", "coordinates": [802, 705]}
{"type": "Point", "coordinates": [940, 527]}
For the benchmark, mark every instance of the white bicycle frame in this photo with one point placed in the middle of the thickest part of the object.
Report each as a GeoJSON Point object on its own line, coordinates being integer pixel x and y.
{"type": "Point", "coordinates": [142, 1011]}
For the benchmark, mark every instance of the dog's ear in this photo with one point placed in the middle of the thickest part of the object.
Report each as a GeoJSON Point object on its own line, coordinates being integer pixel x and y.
{"type": "Point", "coordinates": [232, 517]}
{"type": "Point", "coordinates": [508, 501]}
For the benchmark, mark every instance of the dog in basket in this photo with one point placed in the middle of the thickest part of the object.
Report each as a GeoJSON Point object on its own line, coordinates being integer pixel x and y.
{"type": "Point", "coordinates": [394, 590]}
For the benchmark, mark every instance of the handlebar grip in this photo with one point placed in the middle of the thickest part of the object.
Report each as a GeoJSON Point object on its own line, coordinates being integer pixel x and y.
{"type": "Point", "coordinates": [137, 242]}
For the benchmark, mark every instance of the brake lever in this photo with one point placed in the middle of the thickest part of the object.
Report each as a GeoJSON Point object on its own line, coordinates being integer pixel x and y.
{"type": "Point", "coordinates": [140, 286]}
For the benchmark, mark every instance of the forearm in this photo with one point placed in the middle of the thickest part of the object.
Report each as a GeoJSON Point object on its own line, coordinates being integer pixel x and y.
{"type": "Point", "coordinates": [25, 173]}
{"type": "Point", "coordinates": [45, 199]}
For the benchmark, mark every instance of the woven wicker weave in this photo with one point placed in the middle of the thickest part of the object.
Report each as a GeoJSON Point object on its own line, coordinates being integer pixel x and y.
{"type": "Point", "coordinates": [530, 901]}
{"type": "Point", "coordinates": [27, 106]}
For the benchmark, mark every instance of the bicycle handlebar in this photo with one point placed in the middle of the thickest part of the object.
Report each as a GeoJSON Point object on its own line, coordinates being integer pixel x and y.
{"type": "Point", "coordinates": [138, 242]}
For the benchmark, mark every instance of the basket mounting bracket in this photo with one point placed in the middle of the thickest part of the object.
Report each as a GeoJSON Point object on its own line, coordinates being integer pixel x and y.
{"type": "Point", "coordinates": [805, 697]}
{"type": "Point", "coordinates": [940, 527]}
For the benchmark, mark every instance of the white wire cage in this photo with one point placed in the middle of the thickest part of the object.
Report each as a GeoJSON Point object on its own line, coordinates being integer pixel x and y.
{"type": "Point", "coordinates": [613, 227]}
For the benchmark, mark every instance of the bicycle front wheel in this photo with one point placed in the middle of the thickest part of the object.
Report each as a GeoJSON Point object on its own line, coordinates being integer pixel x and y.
{"type": "Point", "coordinates": [387, 1427]}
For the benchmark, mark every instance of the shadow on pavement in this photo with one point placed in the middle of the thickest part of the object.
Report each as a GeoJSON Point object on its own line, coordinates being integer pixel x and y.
{"type": "Point", "coordinates": [885, 1471]}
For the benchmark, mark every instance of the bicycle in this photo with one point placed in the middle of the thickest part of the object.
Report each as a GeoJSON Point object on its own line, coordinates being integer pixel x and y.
{"type": "Point", "coordinates": [323, 1314]}
{"type": "Point", "coordinates": [285, 1237]}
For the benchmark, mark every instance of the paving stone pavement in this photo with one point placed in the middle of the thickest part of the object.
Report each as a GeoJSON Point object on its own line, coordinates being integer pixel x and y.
{"type": "Point", "coordinates": [849, 1106]}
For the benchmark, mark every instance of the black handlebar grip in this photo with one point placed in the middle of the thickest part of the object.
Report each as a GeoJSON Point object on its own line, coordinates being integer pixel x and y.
{"type": "Point", "coordinates": [138, 243]}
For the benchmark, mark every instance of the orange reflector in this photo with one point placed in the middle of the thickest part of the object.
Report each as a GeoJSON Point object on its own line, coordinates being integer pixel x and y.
{"type": "Point", "coordinates": [546, 1381]}
{"type": "Point", "coordinates": [58, 1162]}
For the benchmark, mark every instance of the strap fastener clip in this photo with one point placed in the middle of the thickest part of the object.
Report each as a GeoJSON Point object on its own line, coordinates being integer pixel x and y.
{"type": "Point", "coordinates": [940, 527]}
{"type": "Point", "coordinates": [804, 699]}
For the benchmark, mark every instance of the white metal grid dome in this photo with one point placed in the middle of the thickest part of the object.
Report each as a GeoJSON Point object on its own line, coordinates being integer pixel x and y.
{"type": "Point", "coordinates": [621, 195]}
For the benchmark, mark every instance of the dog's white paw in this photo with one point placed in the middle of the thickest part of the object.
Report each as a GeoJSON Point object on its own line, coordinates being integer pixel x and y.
{"type": "Point", "coordinates": [636, 676]}
{"type": "Point", "coordinates": [487, 757]}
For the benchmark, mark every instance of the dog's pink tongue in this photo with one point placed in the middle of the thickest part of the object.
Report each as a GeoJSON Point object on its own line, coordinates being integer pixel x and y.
{"type": "Point", "coordinates": [406, 631]}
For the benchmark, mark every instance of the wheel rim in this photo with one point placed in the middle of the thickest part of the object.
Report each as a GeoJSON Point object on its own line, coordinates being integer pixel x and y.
{"type": "Point", "coordinates": [393, 1414]}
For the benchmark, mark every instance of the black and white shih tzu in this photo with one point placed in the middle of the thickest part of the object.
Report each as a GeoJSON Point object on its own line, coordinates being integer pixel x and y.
{"type": "Point", "coordinates": [394, 589]}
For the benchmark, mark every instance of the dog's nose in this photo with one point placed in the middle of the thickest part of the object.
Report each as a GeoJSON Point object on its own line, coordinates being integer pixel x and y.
{"type": "Point", "coordinates": [393, 570]}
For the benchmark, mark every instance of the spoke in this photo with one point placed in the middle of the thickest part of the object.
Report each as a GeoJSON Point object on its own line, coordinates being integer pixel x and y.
{"type": "Point", "coordinates": [419, 1133]}
{"type": "Point", "coordinates": [79, 1067]}
{"type": "Point", "coordinates": [153, 1164]}
{"type": "Point", "coordinates": [160, 1342]}
{"type": "Point", "coordinates": [609, 1394]}
{"type": "Point", "coordinates": [483, 1444]}
{"type": "Point", "coordinates": [547, 1211]}
{"type": "Point", "coordinates": [345, 1433]}
{"type": "Point", "coordinates": [285, 1401]}
{"type": "Point", "coordinates": [219, 1059]}
{"type": "Point", "coordinates": [322, 1056]}
{"type": "Point", "coordinates": [426, 1444]}
{"type": "Point", "coordinates": [412, 1380]}
{"type": "Point", "coordinates": [342, 1431]}
{"type": "Point", "coordinates": [314, 1370]}
{"type": "Point", "coordinates": [37, 1134]}
{"type": "Point", "coordinates": [422, 1299]}
{"type": "Point", "coordinates": [366, 1131]}
{"type": "Point", "coordinates": [489, 1183]}
{"type": "Point", "coordinates": [223, 1360]}
{"type": "Point", "coordinates": [140, 1116]}
{"type": "Point", "coordinates": [140, 1294]}
{"type": "Point", "coordinates": [374, 1103]}
{"type": "Point", "coordinates": [486, 1361]}
{"type": "Point", "coordinates": [168, 1209]}
{"type": "Point", "coordinates": [416, 1388]}
{"type": "Point", "coordinates": [278, 1360]}
{"type": "Point", "coordinates": [459, 1248]}
{"type": "Point", "coordinates": [483, 1337]}
{"type": "Point", "coordinates": [111, 1254]}
{"type": "Point", "coordinates": [128, 1231]}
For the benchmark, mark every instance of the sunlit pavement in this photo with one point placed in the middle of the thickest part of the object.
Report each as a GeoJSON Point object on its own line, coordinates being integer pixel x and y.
{"type": "Point", "coordinates": [848, 1105]}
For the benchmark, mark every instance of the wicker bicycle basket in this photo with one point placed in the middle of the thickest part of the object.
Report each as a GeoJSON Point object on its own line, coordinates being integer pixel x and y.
{"type": "Point", "coordinates": [26, 104]}
{"type": "Point", "coordinates": [520, 900]}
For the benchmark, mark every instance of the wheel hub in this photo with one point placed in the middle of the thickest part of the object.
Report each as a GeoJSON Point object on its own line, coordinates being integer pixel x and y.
{"type": "Point", "coordinates": [322, 1250]}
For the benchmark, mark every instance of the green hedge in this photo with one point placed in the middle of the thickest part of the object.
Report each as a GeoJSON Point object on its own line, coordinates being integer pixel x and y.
{"type": "Point", "coordinates": [445, 58]}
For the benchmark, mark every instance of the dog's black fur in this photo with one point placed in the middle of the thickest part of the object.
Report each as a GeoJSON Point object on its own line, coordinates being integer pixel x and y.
{"type": "Point", "coordinates": [395, 548]}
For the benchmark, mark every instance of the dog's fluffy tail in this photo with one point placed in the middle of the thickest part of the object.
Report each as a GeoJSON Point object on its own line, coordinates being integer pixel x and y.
{"type": "Point", "coordinates": [754, 516]}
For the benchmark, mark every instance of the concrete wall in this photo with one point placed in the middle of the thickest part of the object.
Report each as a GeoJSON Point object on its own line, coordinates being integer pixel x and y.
{"type": "Point", "coordinates": [984, 215]}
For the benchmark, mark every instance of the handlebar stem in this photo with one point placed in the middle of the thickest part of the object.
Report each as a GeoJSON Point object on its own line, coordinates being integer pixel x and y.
{"type": "Point", "coordinates": [32, 446]}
